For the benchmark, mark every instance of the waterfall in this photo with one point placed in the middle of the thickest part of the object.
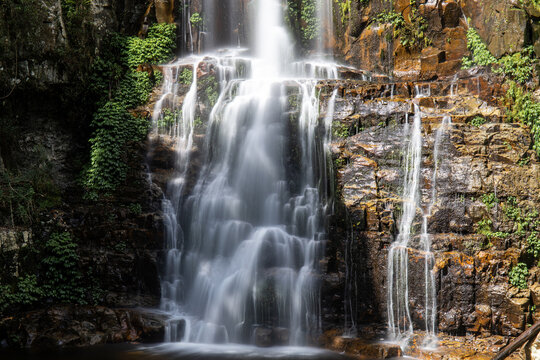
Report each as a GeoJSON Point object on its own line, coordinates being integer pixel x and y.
{"type": "Point", "coordinates": [326, 28]}
{"type": "Point", "coordinates": [430, 340]}
{"type": "Point", "coordinates": [245, 238]}
{"type": "Point", "coordinates": [399, 315]}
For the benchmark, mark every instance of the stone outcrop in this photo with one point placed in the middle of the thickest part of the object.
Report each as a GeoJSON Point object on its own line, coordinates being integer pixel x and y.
{"type": "Point", "coordinates": [505, 26]}
{"type": "Point", "coordinates": [60, 326]}
{"type": "Point", "coordinates": [474, 295]}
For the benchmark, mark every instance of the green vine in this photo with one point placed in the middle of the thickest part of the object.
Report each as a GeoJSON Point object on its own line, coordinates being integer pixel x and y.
{"type": "Point", "coordinates": [120, 84]}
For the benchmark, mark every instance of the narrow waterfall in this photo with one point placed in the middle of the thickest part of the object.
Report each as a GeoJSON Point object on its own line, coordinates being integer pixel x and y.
{"type": "Point", "coordinates": [400, 322]}
{"type": "Point", "coordinates": [244, 241]}
{"type": "Point", "coordinates": [326, 28]}
{"type": "Point", "coordinates": [430, 340]}
{"type": "Point", "coordinates": [399, 315]}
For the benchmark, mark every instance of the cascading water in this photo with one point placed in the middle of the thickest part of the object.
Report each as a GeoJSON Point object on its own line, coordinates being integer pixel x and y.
{"type": "Point", "coordinates": [430, 340]}
{"type": "Point", "coordinates": [399, 315]}
{"type": "Point", "coordinates": [243, 244]}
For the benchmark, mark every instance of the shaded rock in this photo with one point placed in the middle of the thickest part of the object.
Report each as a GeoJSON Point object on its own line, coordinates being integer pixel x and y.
{"type": "Point", "coordinates": [80, 326]}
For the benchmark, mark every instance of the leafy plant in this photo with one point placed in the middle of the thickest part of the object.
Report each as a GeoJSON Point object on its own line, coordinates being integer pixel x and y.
{"type": "Point", "coordinates": [478, 121]}
{"type": "Point", "coordinates": [411, 33]}
{"type": "Point", "coordinates": [135, 209]}
{"type": "Point", "coordinates": [518, 66]}
{"type": "Point", "coordinates": [63, 280]}
{"type": "Point", "coordinates": [490, 200]}
{"type": "Point", "coordinates": [196, 19]}
{"type": "Point", "coordinates": [121, 85]}
{"type": "Point", "coordinates": [310, 22]}
{"type": "Point", "coordinates": [345, 9]}
{"type": "Point", "coordinates": [522, 108]}
{"type": "Point", "coordinates": [57, 277]}
{"type": "Point", "coordinates": [480, 55]}
{"type": "Point", "coordinates": [533, 244]}
{"type": "Point", "coordinates": [186, 76]}
{"type": "Point", "coordinates": [519, 275]}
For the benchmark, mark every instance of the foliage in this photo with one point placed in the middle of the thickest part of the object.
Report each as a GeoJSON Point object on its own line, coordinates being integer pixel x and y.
{"type": "Point", "coordinates": [186, 76]}
{"type": "Point", "coordinates": [345, 9]}
{"type": "Point", "coordinates": [518, 66]}
{"type": "Point", "coordinates": [479, 51]}
{"type": "Point", "coordinates": [519, 275]}
{"type": "Point", "coordinates": [196, 19]}
{"type": "Point", "coordinates": [25, 292]}
{"type": "Point", "coordinates": [478, 121]}
{"type": "Point", "coordinates": [310, 21]}
{"type": "Point", "coordinates": [134, 89]}
{"type": "Point", "coordinates": [523, 220]}
{"type": "Point", "coordinates": [411, 33]}
{"type": "Point", "coordinates": [21, 31]}
{"type": "Point", "coordinates": [119, 85]}
{"type": "Point", "coordinates": [339, 130]}
{"type": "Point", "coordinates": [57, 277]}
{"type": "Point", "coordinates": [156, 48]}
{"type": "Point", "coordinates": [211, 89]}
{"type": "Point", "coordinates": [135, 209]}
{"type": "Point", "coordinates": [533, 244]}
{"type": "Point", "coordinates": [63, 281]}
{"type": "Point", "coordinates": [523, 109]}
{"type": "Point", "coordinates": [115, 128]}
{"type": "Point", "coordinates": [489, 200]}
{"type": "Point", "coordinates": [168, 118]}
{"type": "Point", "coordinates": [27, 192]}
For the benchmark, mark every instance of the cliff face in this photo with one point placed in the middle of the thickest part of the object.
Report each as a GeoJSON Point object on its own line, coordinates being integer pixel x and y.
{"type": "Point", "coordinates": [487, 181]}
{"type": "Point", "coordinates": [441, 37]}
{"type": "Point", "coordinates": [471, 266]}
{"type": "Point", "coordinates": [45, 127]}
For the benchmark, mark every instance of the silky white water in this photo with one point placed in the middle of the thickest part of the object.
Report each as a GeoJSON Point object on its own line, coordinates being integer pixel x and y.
{"type": "Point", "coordinates": [244, 241]}
{"type": "Point", "coordinates": [430, 341]}
{"type": "Point", "coordinates": [400, 323]}
{"type": "Point", "coordinates": [399, 316]}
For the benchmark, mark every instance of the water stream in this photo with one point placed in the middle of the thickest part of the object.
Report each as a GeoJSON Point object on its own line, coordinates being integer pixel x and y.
{"type": "Point", "coordinates": [243, 244]}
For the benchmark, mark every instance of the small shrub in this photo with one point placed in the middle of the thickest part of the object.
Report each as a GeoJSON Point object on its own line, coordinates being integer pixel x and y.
{"type": "Point", "coordinates": [533, 244]}
{"type": "Point", "coordinates": [186, 76]}
{"type": "Point", "coordinates": [519, 66]}
{"type": "Point", "coordinates": [480, 54]}
{"type": "Point", "coordinates": [490, 200]}
{"type": "Point", "coordinates": [478, 121]}
{"type": "Point", "coordinates": [519, 275]}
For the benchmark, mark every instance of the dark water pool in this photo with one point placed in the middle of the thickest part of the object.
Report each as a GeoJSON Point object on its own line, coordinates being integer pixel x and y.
{"type": "Point", "coordinates": [176, 351]}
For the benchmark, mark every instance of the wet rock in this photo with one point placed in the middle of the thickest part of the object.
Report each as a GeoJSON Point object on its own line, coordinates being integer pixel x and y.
{"type": "Point", "coordinates": [263, 336]}
{"type": "Point", "coordinates": [359, 347]}
{"type": "Point", "coordinates": [60, 326]}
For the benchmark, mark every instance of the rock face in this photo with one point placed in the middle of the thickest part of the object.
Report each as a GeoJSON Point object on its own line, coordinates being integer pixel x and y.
{"type": "Point", "coordinates": [472, 267]}
{"type": "Point", "coordinates": [505, 26]}
{"type": "Point", "coordinates": [80, 326]}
